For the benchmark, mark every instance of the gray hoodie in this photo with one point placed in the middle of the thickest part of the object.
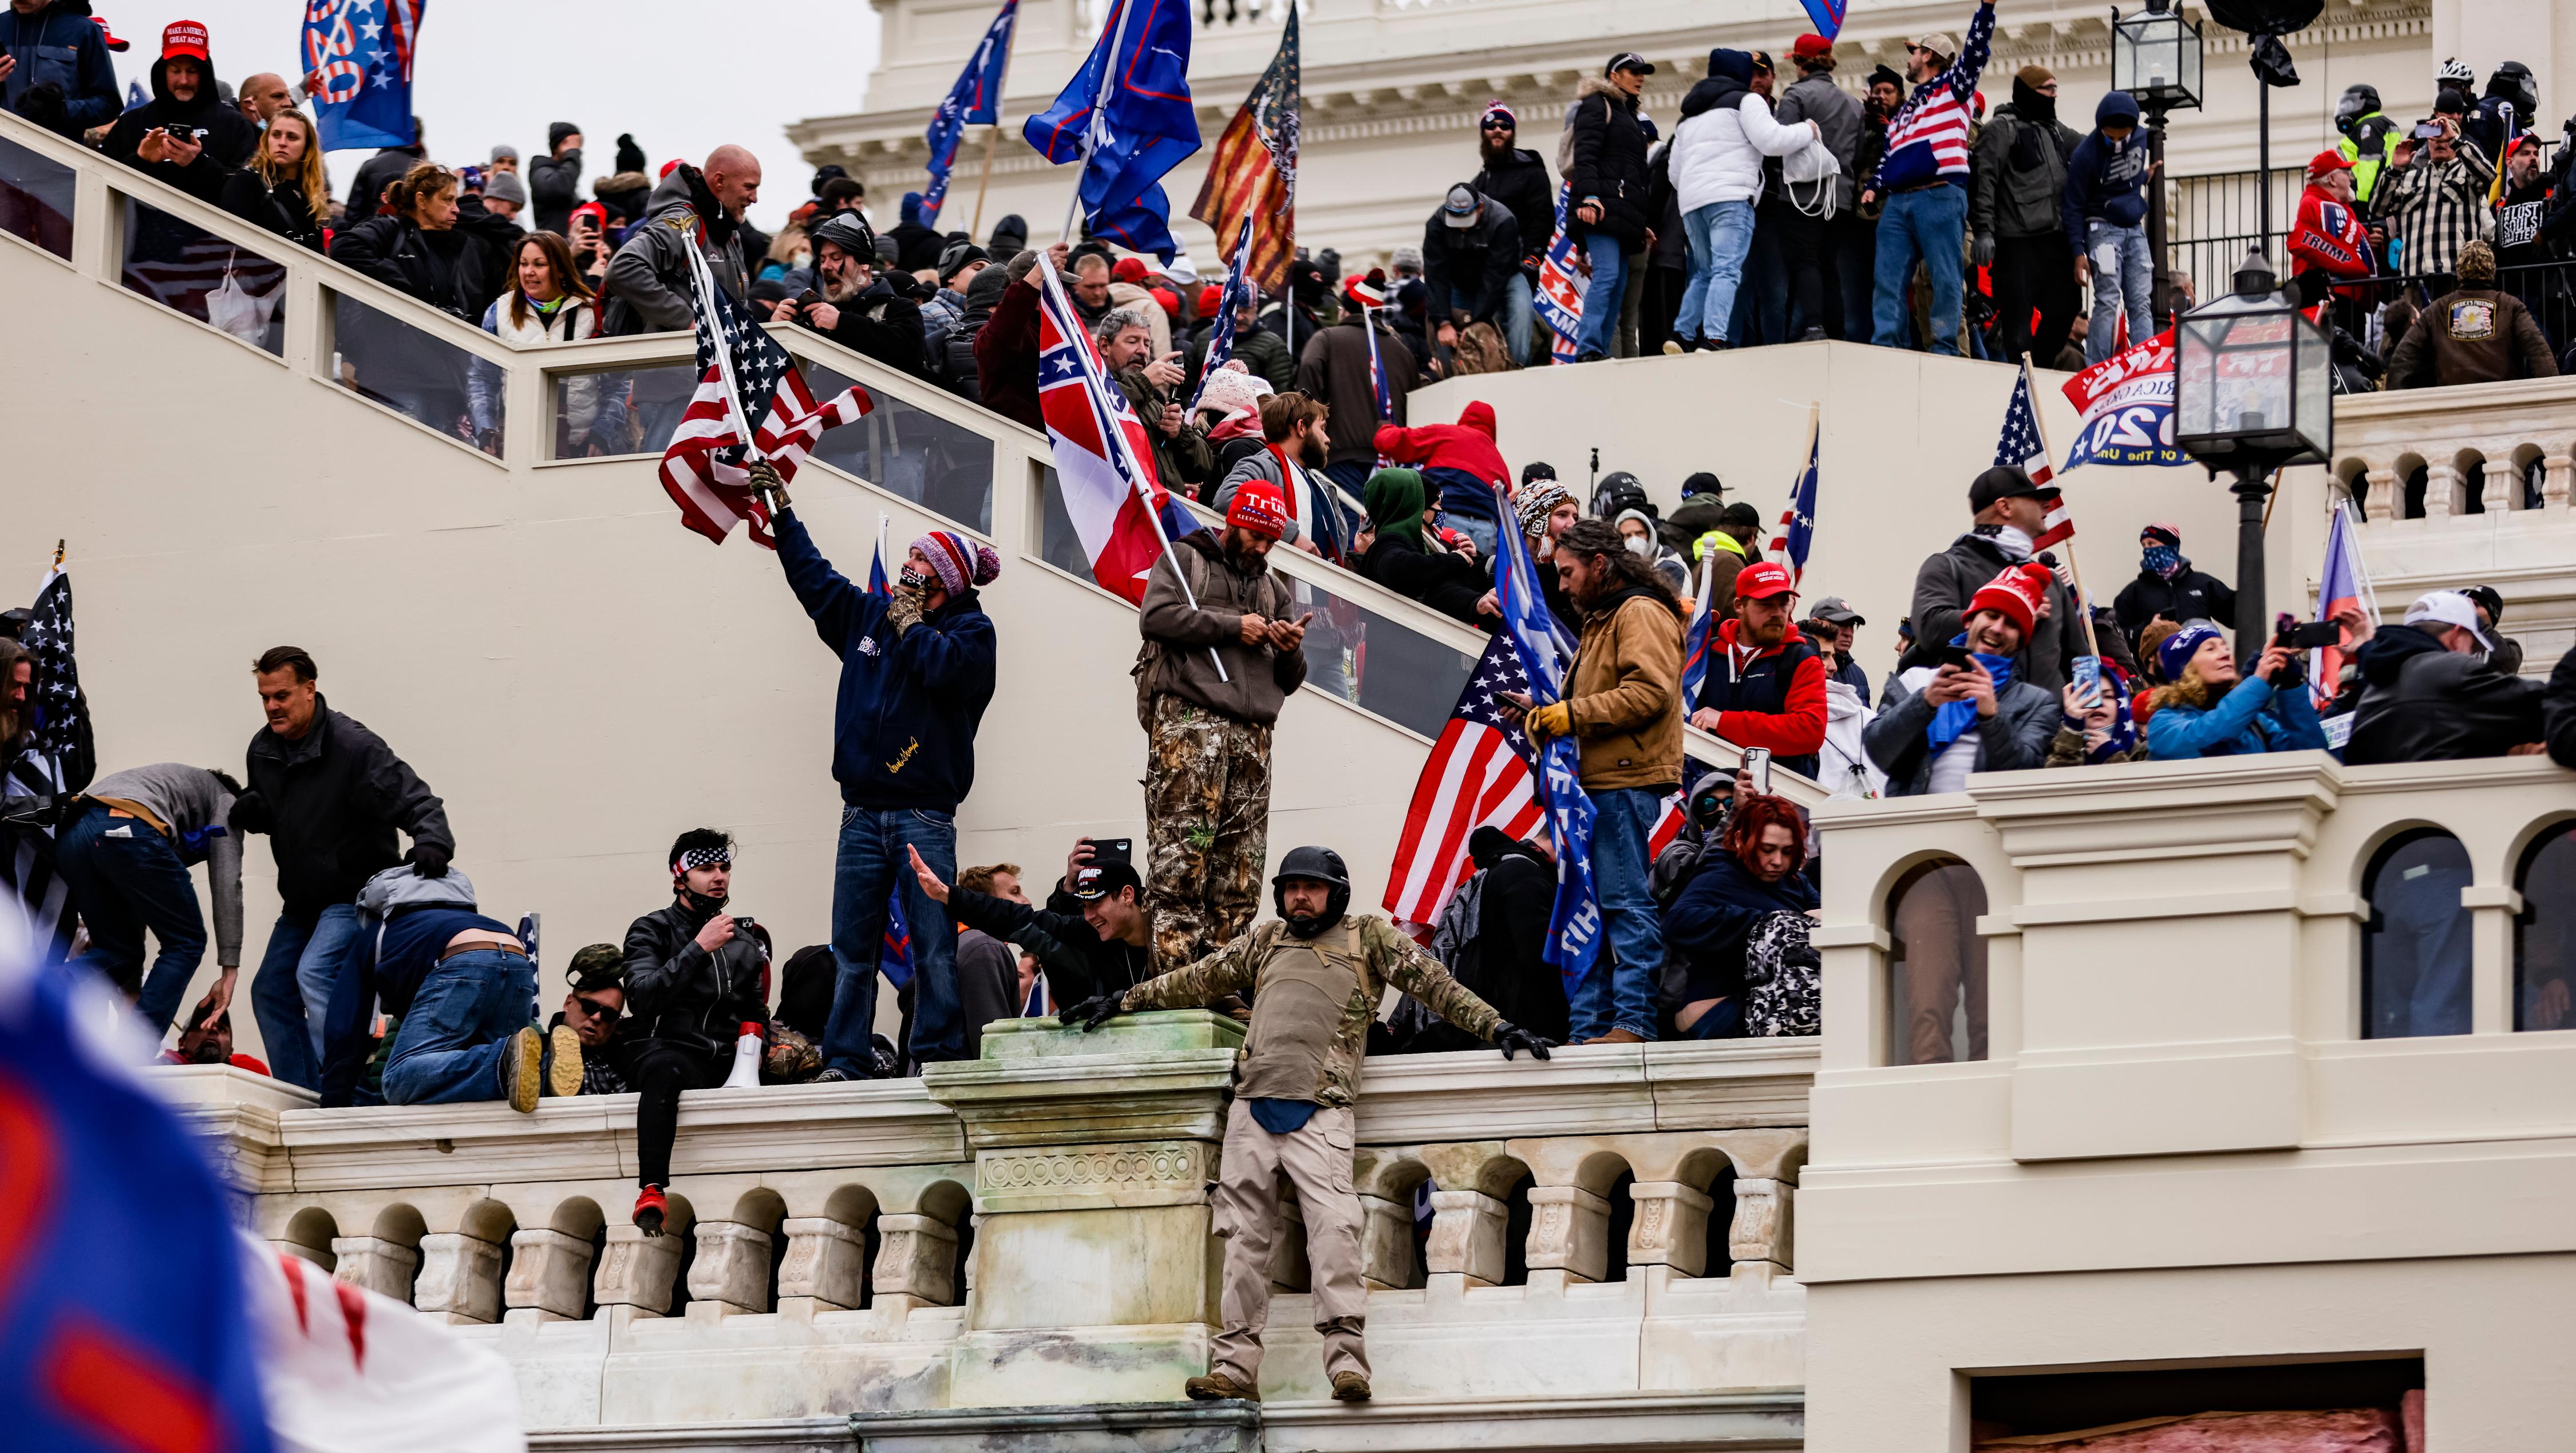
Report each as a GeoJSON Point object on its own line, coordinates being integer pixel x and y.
{"type": "Point", "coordinates": [193, 804]}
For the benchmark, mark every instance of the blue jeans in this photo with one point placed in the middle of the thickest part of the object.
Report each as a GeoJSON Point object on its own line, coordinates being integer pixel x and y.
{"type": "Point", "coordinates": [1720, 234]}
{"type": "Point", "coordinates": [1927, 227]}
{"type": "Point", "coordinates": [124, 878]}
{"type": "Point", "coordinates": [2124, 278]}
{"type": "Point", "coordinates": [871, 863]}
{"type": "Point", "coordinates": [450, 1045]}
{"type": "Point", "coordinates": [2420, 966]}
{"type": "Point", "coordinates": [291, 994]}
{"type": "Point", "coordinates": [1622, 995]}
{"type": "Point", "coordinates": [1604, 298]}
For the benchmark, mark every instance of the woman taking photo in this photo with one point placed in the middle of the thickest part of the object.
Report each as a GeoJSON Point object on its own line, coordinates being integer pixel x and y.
{"type": "Point", "coordinates": [547, 302]}
{"type": "Point", "coordinates": [281, 186]}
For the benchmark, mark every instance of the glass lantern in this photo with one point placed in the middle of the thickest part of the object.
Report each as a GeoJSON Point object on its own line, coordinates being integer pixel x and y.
{"type": "Point", "coordinates": [2155, 57]}
{"type": "Point", "coordinates": [2254, 379]}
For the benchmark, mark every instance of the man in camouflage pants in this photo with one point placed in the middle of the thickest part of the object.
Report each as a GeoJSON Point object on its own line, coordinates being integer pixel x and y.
{"type": "Point", "coordinates": [1316, 975]}
{"type": "Point", "coordinates": [1209, 684]}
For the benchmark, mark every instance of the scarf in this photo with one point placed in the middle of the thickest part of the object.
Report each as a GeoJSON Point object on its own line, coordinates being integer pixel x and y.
{"type": "Point", "coordinates": [2007, 538]}
{"type": "Point", "coordinates": [1394, 500]}
{"type": "Point", "coordinates": [1951, 719]}
{"type": "Point", "coordinates": [2164, 560]}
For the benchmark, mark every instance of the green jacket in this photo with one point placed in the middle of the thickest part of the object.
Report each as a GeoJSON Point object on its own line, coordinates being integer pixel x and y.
{"type": "Point", "coordinates": [1366, 944]}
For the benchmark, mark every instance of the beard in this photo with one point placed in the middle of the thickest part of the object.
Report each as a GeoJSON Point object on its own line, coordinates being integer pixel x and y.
{"type": "Point", "coordinates": [1493, 149]}
{"type": "Point", "coordinates": [841, 290]}
{"type": "Point", "coordinates": [1304, 926]}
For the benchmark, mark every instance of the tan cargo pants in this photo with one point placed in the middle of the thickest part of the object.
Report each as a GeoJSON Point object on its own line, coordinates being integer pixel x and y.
{"type": "Point", "coordinates": [1316, 1159]}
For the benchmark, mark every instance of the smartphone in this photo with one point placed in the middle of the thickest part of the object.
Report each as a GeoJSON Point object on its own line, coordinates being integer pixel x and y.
{"type": "Point", "coordinates": [2427, 131]}
{"type": "Point", "coordinates": [2312, 635]}
{"type": "Point", "coordinates": [1757, 767]}
{"type": "Point", "coordinates": [2088, 678]}
{"type": "Point", "coordinates": [1112, 850]}
{"type": "Point", "coordinates": [1951, 655]}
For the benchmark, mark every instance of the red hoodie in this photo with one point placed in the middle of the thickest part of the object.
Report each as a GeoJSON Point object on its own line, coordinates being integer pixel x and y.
{"type": "Point", "coordinates": [1466, 446]}
{"type": "Point", "coordinates": [2328, 238]}
{"type": "Point", "coordinates": [1798, 728]}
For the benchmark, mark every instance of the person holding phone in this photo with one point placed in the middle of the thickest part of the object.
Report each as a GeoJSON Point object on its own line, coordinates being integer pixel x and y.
{"type": "Point", "coordinates": [2433, 201]}
{"type": "Point", "coordinates": [185, 135]}
{"type": "Point", "coordinates": [1968, 709]}
{"type": "Point", "coordinates": [852, 304]}
{"type": "Point", "coordinates": [1224, 644]}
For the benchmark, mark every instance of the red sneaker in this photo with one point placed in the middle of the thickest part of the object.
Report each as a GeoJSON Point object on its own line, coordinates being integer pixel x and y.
{"type": "Point", "coordinates": [650, 1209]}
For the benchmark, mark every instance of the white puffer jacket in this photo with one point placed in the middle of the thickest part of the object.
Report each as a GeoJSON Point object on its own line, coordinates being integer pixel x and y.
{"type": "Point", "coordinates": [569, 324]}
{"type": "Point", "coordinates": [1717, 154]}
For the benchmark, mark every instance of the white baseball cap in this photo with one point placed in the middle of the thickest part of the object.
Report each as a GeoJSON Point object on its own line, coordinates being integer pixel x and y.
{"type": "Point", "coordinates": [2451, 608]}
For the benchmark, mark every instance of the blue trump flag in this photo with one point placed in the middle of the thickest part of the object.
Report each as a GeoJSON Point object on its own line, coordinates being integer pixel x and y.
{"type": "Point", "coordinates": [1127, 114]}
{"type": "Point", "coordinates": [894, 954]}
{"type": "Point", "coordinates": [1574, 923]}
{"type": "Point", "coordinates": [123, 1309]}
{"type": "Point", "coordinates": [976, 100]}
{"type": "Point", "coordinates": [363, 48]}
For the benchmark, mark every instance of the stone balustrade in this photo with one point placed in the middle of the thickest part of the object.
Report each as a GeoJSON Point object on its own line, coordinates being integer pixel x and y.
{"type": "Point", "coordinates": [1033, 1228]}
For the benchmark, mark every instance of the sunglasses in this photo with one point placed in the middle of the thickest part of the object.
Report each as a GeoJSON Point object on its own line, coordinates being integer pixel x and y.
{"type": "Point", "coordinates": [1497, 126]}
{"type": "Point", "coordinates": [596, 1010]}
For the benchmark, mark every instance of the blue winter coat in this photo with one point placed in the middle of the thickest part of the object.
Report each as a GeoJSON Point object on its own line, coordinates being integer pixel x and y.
{"type": "Point", "coordinates": [2251, 718]}
{"type": "Point", "coordinates": [61, 46]}
{"type": "Point", "coordinates": [903, 729]}
{"type": "Point", "coordinates": [2106, 180]}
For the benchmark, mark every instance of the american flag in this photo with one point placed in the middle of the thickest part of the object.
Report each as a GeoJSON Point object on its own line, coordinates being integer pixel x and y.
{"type": "Point", "coordinates": [1479, 775]}
{"type": "Point", "coordinates": [1238, 291]}
{"type": "Point", "coordinates": [177, 264]}
{"type": "Point", "coordinates": [2023, 447]}
{"type": "Point", "coordinates": [1697, 635]}
{"type": "Point", "coordinates": [57, 759]}
{"type": "Point", "coordinates": [1798, 521]}
{"type": "Point", "coordinates": [703, 468]}
{"type": "Point", "coordinates": [1253, 173]}
{"type": "Point", "coordinates": [1560, 292]}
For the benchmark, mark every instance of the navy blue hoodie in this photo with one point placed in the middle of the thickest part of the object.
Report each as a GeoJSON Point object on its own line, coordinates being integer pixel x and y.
{"type": "Point", "coordinates": [1707, 926]}
{"type": "Point", "coordinates": [903, 728]}
{"type": "Point", "coordinates": [2106, 180]}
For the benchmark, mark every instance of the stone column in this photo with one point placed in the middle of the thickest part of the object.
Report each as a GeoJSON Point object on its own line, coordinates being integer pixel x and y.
{"type": "Point", "coordinates": [826, 1265]}
{"type": "Point", "coordinates": [2381, 503]}
{"type": "Point", "coordinates": [2442, 490]}
{"type": "Point", "coordinates": [731, 1272]}
{"type": "Point", "coordinates": [1466, 1239]}
{"type": "Point", "coordinates": [1096, 1270]}
{"type": "Point", "coordinates": [2554, 471]}
{"type": "Point", "coordinates": [637, 1271]}
{"type": "Point", "coordinates": [916, 1260]}
{"type": "Point", "coordinates": [1386, 1243]}
{"type": "Point", "coordinates": [2500, 488]}
{"type": "Point", "coordinates": [549, 1277]}
{"type": "Point", "coordinates": [1759, 1239]}
{"type": "Point", "coordinates": [379, 1266]}
{"type": "Point", "coordinates": [1671, 1227]}
{"type": "Point", "coordinates": [460, 1278]}
{"type": "Point", "coordinates": [1569, 1236]}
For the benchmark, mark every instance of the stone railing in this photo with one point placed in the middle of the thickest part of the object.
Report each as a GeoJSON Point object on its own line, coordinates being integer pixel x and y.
{"type": "Point", "coordinates": [1033, 1228]}
{"type": "Point", "coordinates": [2420, 460]}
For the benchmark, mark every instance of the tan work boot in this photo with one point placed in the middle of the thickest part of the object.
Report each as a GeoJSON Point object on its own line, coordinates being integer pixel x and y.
{"type": "Point", "coordinates": [1216, 1387]}
{"type": "Point", "coordinates": [1350, 1387]}
{"type": "Point", "coordinates": [523, 1059]}
{"type": "Point", "coordinates": [563, 1061]}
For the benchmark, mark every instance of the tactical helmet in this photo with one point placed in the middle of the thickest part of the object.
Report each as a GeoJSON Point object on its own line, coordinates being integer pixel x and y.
{"type": "Point", "coordinates": [1619, 490]}
{"type": "Point", "coordinates": [2514, 82]}
{"type": "Point", "coordinates": [2358, 101]}
{"type": "Point", "coordinates": [1321, 865]}
{"type": "Point", "coordinates": [849, 232]}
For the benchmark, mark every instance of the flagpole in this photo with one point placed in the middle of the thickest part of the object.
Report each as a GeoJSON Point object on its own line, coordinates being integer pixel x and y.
{"type": "Point", "coordinates": [2039, 425]}
{"type": "Point", "coordinates": [1091, 144]}
{"type": "Point", "coordinates": [992, 138]}
{"type": "Point", "coordinates": [705, 282]}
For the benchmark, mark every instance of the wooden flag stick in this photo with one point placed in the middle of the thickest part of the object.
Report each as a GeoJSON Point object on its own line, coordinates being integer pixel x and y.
{"type": "Point", "coordinates": [991, 139]}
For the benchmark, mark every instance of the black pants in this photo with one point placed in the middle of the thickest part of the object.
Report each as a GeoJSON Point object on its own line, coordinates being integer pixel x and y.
{"type": "Point", "coordinates": [1815, 284]}
{"type": "Point", "coordinates": [660, 1069]}
{"type": "Point", "coordinates": [1856, 257]}
{"type": "Point", "coordinates": [2034, 273]}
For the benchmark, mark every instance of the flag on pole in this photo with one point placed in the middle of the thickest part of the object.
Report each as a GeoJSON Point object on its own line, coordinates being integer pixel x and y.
{"type": "Point", "coordinates": [1253, 172]}
{"type": "Point", "coordinates": [1238, 292]}
{"type": "Point", "coordinates": [2126, 404]}
{"type": "Point", "coordinates": [2021, 447]}
{"type": "Point", "coordinates": [1826, 16]}
{"type": "Point", "coordinates": [1560, 291]}
{"type": "Point", "coordinates": [364, 50]}
{"type": "Point", "coordinates": [1479, 774]}
{"type": "Point", "coordinates": [342, 1367]}
{"type": "Point", "coordinates": [1103, 461]}
{"type": "Point", "coordinates": [1697, 635]}
{"type": "Point", "coordinates": [742, 374]}
{"type": "Point", "coordinates": [877, 582]}
{"type": "Point", "coordinates": [894, 953]}
{"type": "Point", "coordinates": [58, 759]}
{"type": "Point", "coordinates": [1574, 922]}
{"type": "Point", "coordinates": [974, 101]}
{"type": "Point", "coordinates": [1127, 115]}
{"type": "Point", "coordinates": [2346, 582]}
{"type": "Point", "coordinates": [1798, 521]}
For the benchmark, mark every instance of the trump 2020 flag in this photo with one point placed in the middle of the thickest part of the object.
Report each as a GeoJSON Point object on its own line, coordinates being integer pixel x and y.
{"type": "Point", "coordinates": [363, 50]}
{"type": "Point", "coordinates": [2127, 401]}
{"type": "Point", "coordinates": [894, 954]}
{"type": "Point", "coordinates": [1574, 922]}
{"type": "Point", "coordinates": [1103, 462]}
{"type": "Point", "coordinates": [975, 100]}
{"type": "Point", "coordinates": [1127, 115]}
{"type": "Point", "coordinates": [1559, 303]}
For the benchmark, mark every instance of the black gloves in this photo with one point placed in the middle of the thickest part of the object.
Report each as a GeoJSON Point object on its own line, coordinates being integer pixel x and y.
{"type": "Point", "coordinates": [630, 157]}
{"type": "Point", "coordinates": [429, 860]}
{"type": "Point", "coordinates": [1509, 1037]}
{"type": "Point", "coordinates": [251, 814]}
{"type": "Point", "coordinates": [1093, 1013]}
{"type": "Point", "coordinates": [42, 104]}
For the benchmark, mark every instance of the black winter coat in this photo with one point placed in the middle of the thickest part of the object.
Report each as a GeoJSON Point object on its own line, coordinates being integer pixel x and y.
{"type": "Point", "coordinates": [281, 208]}
{"type": "Point", "coordinates": [1511, 934]}
{"type": "Point", "coordinates": [227, 143]}
{"type": "Point", "coordinates": [2558, 711]}
{"type": "Point", "coordinates": [680, 993]}
{"type": "Point", "coordinates": [2421, 703]}
{"type": "Point", "coordinates": [880, 325]}
{"type": "Point", "coordinates": [956, 363]}
{"type": "Point", "coordinates": [554, 189]}
{"type": "Point", "coordinates": [458, 271]}
{"type": "Point", "coordinates": [1518, 180]}
{"type": "Point", "coordinates": [1706, 929]}
{"type": "Point", "coordinates": [1943, 586]}
{"type": "Point", "coordinates": [1610, 163]}
{"type": "Point", "coordinates": [1449, 584]}
{"type": "Point", "coordinates": [375, 174]}
{"type": "Point", "coordinates": [1079, 963]}
{"type": "Point", "coordinates": [330, 804]}
{"type": "Point", "coordinates": [2190, 595]}
{"type": "Point", "coordinates": [1478, 261]}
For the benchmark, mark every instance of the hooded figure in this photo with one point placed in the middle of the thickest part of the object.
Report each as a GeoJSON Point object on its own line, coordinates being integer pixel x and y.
{"type": "Point", "coordinates": [916, 244]}
{"type": "Point", "coordinates": [229, 134]}
{"type": "Point", "coordinates": [1461, 468]}
{"type": "Point", "coordinates": [64, 80]}
{"type": "Point", "coordinates": [1403, 560]}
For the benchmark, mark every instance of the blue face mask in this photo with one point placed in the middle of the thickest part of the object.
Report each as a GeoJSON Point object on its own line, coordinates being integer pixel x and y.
{"type": "Point", "coordinates": [2164, 560]}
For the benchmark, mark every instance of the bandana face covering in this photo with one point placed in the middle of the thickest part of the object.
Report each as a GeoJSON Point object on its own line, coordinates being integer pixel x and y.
{"type": "Point", "coordinates": [915, 578]}
{"type": "Point", "coordinates": [2164, 560]}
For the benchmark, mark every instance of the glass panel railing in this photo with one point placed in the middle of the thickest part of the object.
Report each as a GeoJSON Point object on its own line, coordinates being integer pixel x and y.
{"type": "Point", "coordinates": [944, 467]}
{"type": "Point", "coordinates": [611, 411]}
{"type": "Point", "coordinates": [414, 372]}
{"type": "Point", "coordinates": [1369, 659]}
{"type": "Point", "coordinates": [189, 270]}
{"type": "Point", "coordinates": [36, 198]}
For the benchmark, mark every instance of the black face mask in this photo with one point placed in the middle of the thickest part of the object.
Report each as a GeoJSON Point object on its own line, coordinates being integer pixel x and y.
{"type": "Point", "coordinates": [916, 578]}
{"type": "Point", "coordinates": [699, 905]}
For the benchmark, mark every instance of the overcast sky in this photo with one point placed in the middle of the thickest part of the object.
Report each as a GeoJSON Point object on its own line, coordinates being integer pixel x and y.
{"type": "Point", "coordinates": [681, 78]}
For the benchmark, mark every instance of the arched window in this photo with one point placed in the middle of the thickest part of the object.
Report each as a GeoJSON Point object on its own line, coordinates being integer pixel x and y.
{"type": "Point", "coordinates": [1936, 966]}
{"type": "Point", "coordinates": [2415, 945]}
{"type": "Point", "coordinates": [2544, 933]}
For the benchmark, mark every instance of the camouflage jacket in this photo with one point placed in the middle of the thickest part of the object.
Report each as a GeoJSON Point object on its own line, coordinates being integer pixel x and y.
{"type": "Point", "coordinates": [1298, 1048]}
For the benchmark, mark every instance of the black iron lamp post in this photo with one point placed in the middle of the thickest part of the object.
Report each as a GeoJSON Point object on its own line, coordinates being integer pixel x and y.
{"type": "Point", "coordinates": [2155, 57]}
{"type": "Point", "coordinates": [2253, 392]}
